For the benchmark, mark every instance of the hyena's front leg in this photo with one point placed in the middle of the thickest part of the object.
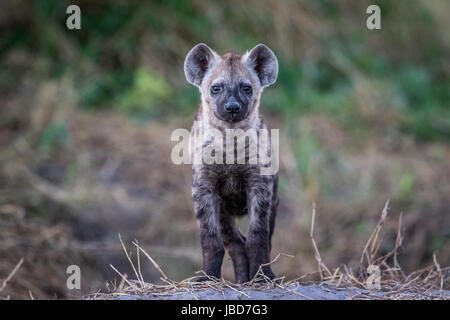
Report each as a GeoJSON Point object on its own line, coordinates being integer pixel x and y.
{"type": "Point", "coordinates": [234, 242]}
{"type": "Point", "coordinates": [206, 208]}
{"type": "Point", "coordinates": [258, 240]}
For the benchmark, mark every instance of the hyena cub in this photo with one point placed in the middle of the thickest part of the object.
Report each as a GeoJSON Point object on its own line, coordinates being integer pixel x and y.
{"type": "Point", "coordinates": [231, 86]}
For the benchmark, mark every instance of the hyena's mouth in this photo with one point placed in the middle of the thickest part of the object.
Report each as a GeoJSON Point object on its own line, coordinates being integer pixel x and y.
{"type": "Point", "coordinates": [231, 117]}
{"type": "Point", "coordinates": [234, 117]}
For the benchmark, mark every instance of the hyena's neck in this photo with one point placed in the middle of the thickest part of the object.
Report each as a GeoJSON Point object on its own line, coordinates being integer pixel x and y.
{"type": "Point", "coordinates": [209, 120]}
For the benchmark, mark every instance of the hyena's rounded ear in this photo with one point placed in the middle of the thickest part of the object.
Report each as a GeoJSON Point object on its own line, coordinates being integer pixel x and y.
{"type": "Point", "coordinates": [264, 62]}
{"type": "Point", "coordinates": [197, 62]}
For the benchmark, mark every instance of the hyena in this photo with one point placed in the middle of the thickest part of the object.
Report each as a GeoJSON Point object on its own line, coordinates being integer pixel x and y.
{"type": "Point", "coordinates": [231, 87]}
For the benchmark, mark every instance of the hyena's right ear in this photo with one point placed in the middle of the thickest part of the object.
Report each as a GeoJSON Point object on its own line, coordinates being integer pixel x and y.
{"type": "Point", "coordinates": [198, 61]}
{"type": "Point", "coordinates": [264, 62]}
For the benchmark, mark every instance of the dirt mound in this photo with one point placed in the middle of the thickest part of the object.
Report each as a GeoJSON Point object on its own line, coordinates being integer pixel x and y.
{"type": "Point", "coordinates": [292, 291]}
{"type": "Point", "coordinates": [379, 277]}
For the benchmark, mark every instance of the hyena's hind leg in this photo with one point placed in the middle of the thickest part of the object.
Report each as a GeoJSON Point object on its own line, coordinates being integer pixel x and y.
{"type": "Point", "coordinates": [273, 212]}
{"type": "Point", "coordinates": [234, 243]}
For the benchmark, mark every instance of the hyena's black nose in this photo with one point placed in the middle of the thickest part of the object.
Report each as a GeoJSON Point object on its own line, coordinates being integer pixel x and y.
{"type": "Point", "coordinates": [232, 107]}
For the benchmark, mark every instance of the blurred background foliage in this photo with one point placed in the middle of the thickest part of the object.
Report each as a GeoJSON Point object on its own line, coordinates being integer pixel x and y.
{"type": "Point", "coordinates": [86, 117]}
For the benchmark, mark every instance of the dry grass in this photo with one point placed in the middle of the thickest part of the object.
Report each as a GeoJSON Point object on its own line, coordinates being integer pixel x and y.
{"type": "Point", "coordinates": [34, 255]}
{"type": "Point", "coordinates": [427, 283]}
{"type": "Point", "coordinates": [9, 277]}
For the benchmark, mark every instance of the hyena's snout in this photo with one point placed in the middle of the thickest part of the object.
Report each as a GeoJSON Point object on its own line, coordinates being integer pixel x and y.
{"type": "Point", "coordinates": [232, 106]}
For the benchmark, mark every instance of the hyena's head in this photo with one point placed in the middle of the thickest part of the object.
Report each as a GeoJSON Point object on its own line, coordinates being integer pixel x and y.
{"type": "Point", "coordinates": [231, 84]}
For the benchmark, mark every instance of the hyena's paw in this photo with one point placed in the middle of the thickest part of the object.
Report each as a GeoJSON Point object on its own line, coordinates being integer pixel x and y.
{"type": "Point", "coordinates": [264, 275]}
{"type": "Point", "coordinates": [242, 279]}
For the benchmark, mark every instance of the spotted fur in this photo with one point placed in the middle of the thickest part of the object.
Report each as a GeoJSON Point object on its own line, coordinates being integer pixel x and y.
{"type": "Point", "coordinates": [222, 192]}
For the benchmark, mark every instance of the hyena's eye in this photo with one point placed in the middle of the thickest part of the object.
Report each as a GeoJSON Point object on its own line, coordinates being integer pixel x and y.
{"type": "Point", "coordinates": [216, 89]}
{"type": "Point", "coordinates": [246, 88]}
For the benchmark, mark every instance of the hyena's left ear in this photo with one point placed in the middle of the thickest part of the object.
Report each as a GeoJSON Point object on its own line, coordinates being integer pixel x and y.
{"type": "Point", "coordinates": [263, 61]}
{"type": "Point", "coordinates": [198, 61]}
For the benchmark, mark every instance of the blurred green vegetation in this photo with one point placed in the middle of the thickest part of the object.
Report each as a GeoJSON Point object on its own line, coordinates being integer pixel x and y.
{"type": "Point", "coordinates": [107, 57]}
{"type": "Point", "coordinates": [53, 136]}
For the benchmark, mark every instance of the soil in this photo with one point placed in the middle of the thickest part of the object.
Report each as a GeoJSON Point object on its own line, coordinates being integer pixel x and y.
{"type": "Point", "coordinates": [293, 292]}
